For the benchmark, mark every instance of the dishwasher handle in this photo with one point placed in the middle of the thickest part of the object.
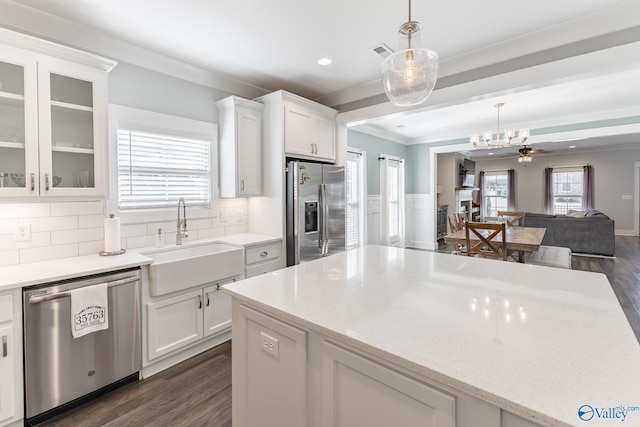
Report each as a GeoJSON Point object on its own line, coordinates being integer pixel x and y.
{"type": "Point", "coordinates": [39, 299]}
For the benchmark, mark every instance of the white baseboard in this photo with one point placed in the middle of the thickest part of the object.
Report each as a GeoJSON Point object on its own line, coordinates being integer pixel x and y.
{"type": "Point", "coordinates": [625, 233]}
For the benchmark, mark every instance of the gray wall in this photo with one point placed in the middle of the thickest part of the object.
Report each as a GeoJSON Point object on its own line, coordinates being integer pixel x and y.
{"type": "Point", "coordinates": [151, 90]}
{"type": "Point", "coordinates": [613, 172]}
{"type": "Point", "coordinates": [416, 161]}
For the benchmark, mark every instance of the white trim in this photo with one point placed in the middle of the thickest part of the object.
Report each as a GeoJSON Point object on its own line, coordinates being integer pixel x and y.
{"type": "Point", "coordinates": [122, 116]}
{"type": "Point", "coordinates": [625, 233]}
{"type": "Point", "coordinates": [636, 199]}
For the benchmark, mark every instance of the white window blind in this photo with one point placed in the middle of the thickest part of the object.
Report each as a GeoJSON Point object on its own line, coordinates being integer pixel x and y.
{"type": "Point", "coordinates": [155, 170]}
{"type": "Point", "coordinates": [354, 202]}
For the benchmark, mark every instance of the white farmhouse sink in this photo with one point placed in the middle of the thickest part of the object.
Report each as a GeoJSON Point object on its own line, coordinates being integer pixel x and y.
{"type": "Point", "coordinates": [182, 267]}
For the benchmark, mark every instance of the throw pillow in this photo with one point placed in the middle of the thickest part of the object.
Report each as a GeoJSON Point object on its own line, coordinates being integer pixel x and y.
{"type": "Point", "coordinates": [576, 214]}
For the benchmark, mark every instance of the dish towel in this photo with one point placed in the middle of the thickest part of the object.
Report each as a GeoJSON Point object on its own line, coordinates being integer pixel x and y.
{"type": "Point", "coordinates": [89, 310]}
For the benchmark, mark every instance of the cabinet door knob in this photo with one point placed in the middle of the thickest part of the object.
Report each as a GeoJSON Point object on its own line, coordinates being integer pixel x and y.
{"type": "Point", "coordinates": [199, 301]}
{"type": "Point", "coordinates": [46, 181]}
{"type": "Point", "coordinates": [4, 346]}
{"type": "Point", "coordinates": [33, 182]}
{"type": "Point", "coordinates": [242, 185]}
{"type": "Point", "coordinates": [264, 253]}
{"type": "Point", "coordinates": [207, 303]}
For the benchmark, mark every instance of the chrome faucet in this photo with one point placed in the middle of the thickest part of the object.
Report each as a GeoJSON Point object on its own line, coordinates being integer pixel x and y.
{"type": "Point", "coordinates": [181, 228]}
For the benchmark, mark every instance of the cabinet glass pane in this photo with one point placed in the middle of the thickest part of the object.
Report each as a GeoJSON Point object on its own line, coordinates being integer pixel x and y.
{"type": "Point", "coordinates": [11, 79]}
{"type": "Point", "coordinates": [12, 120]}
{"type": "Point", "coordinates": [72, 132]}
{"type": "Point", "coordinates": [71, 91]}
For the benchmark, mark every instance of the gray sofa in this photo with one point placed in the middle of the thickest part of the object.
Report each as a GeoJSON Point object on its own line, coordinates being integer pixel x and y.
{"type": "Point", "coordinates": [592, 233]}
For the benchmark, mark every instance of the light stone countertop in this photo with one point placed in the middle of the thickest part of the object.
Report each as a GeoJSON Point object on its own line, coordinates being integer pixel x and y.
{"type": "Point", "coordinates": [22, 275]}
{"type": "Point", "coordinates": [539, 342]}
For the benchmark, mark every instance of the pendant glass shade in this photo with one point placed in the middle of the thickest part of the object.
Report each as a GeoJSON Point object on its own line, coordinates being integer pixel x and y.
{"type": "Point", "coordinates": [409, 76]}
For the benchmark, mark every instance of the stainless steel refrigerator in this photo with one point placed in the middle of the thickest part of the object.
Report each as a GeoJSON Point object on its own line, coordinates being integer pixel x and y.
{"type": "Point", "coordinates": [315, 211]}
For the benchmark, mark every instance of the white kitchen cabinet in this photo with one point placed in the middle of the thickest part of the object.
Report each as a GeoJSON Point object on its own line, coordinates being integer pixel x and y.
{"type": "Point", "coordinates": [11, 406]}
{"type": "Point", "coordinates": [53, 121]}
{"type": "Point", "coordinates": [217, 310]}
{"type": "Point", "coordinates": [240, 123]}
{"type": "Point", "coordinates": [360, 392]}
{"type": "Point", "coordinates": [179, 321]}
{"type": "Point", "coordinates": [269, 371]}
{"type": "Point", "coordinates": [285, 373]}
{"type": "Point", "coordinates": [263, 258]}
{"type": "Point", "coordinates": [309, 131]}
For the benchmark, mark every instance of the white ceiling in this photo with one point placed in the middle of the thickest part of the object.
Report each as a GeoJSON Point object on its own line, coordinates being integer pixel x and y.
{"type": "Point", "coordinates": [275, 44]}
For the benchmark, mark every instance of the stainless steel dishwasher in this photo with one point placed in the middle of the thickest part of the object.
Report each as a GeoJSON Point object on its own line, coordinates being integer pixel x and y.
{"type": "Point", "coordinates": [60, 371]}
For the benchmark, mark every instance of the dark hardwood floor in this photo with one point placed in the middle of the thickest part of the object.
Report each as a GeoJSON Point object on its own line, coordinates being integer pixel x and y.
{"type": "Point", "coordinates": [197, 392]}
{"type": "Point", "coordinates": [194, 393]}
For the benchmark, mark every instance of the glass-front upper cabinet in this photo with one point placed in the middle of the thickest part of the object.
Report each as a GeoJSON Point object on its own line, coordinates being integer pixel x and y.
{"type": "Point", "coordinates": [72, 109]}
{"type": "Point", "coordinates": [18, 123]}
{"type": "Point", "coordinates": [53, 119]}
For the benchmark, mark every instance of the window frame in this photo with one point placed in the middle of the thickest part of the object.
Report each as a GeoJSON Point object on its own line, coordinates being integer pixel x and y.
{"type": "Point", "coordinates": [556, 172]}
{"type": "Point", "coordinates": [488, 174]}
{"type": "Point", "coordinates": [128, 117]}
{"type": "Point", "coordinates": [359, 158]}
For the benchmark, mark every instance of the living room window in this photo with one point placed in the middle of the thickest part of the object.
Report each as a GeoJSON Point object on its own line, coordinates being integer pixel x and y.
{"type": "Point", "coordinates": [495, 194]}
{"type": "Point", "coordinates": [567, 190]}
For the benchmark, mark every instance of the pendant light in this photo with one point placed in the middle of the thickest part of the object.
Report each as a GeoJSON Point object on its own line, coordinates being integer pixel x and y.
{"type": "Point", "coordinates": [409, 75]}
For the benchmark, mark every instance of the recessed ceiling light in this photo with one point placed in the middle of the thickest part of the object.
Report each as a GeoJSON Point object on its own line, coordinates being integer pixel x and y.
{"type": "Point", "coordinates": [325, 61]}
{"type": "Point", "coordinates": [491, 154]}
{"type": "Point", "coordinates": [572, 146]}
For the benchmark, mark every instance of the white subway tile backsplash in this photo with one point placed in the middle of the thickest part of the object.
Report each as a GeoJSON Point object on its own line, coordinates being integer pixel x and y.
{"type": "Point", "coordinates": [208, 233]}
{"type": "Point", "coordinates": [8, 241]}
{"type": "Point", "coordinates": [9, 258]}
{"type": "Point", "coordinates": [24, 210]}
{"type": "Point", "coordinates": [8, 226]}
{"type": "Point", "coordinates": [48, 253]}
{"type": "Point", "coordinates": [90, 248]}
{"type": "Point", "coordinates": [131, 230]}
{"type": "Point", "coordinates": [236, 229]}
{"type": "Point", "coordinates": [91, 221]}
{"type": "Point", "coordinates": [69, 229]}
{"type": "Point", "coordinates": [76, 236]}
{"type": "Point", "coordinates": [52, 223]}
{"type": "Point", "coordinates": [139, 241]}
{"type": "Point", "coordinates": [77, 208]}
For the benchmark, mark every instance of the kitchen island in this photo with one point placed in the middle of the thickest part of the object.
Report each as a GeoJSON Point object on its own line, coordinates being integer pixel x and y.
{"type": "Point", "coordinates": [387, 336]}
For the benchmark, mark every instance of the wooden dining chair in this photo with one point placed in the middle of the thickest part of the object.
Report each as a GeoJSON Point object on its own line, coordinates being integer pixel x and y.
{"type": "Point", "coordinates": [487, 244]}
{"type": "Point", "coordinates": [454, 222]}
{"type": "Point", "coordinates": [514, 218]}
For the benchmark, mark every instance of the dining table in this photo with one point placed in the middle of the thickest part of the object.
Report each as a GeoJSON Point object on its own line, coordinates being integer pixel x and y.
{"type": "Point", "coordinates": [520, 239]}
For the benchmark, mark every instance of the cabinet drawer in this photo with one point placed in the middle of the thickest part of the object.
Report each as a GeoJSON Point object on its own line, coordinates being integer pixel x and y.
{"type": "Point", "coordinates": [6, 308]}
{"type": "Point", "coordinates": [256, 270]}
{"type": "Point", "coordinates": [263, 253]}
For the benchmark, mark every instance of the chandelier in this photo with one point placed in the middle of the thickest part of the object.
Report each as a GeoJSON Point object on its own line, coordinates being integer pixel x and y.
{"type": "Point", "coordinates": [409, 75]}
{"type": "Point", "coordinates": [507, 137]}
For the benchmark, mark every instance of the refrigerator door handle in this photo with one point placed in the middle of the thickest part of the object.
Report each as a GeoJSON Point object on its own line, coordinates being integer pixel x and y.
{"type": "Point", "coordinates": [325, 216]}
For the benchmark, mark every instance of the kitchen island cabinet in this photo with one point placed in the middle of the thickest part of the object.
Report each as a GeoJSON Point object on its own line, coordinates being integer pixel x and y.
{"type": "Point", "coordinates": [453, 341]}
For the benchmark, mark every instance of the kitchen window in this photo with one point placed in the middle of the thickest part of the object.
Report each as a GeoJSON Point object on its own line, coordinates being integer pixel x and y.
{"type": "Point", "coordinates": [155, 170]}
{"type": "Point", "coordinates": [355, 194]}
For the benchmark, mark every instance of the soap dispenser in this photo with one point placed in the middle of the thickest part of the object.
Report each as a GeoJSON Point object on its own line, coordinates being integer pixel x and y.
{"type": "Point", "coordinates": [159, 239]}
